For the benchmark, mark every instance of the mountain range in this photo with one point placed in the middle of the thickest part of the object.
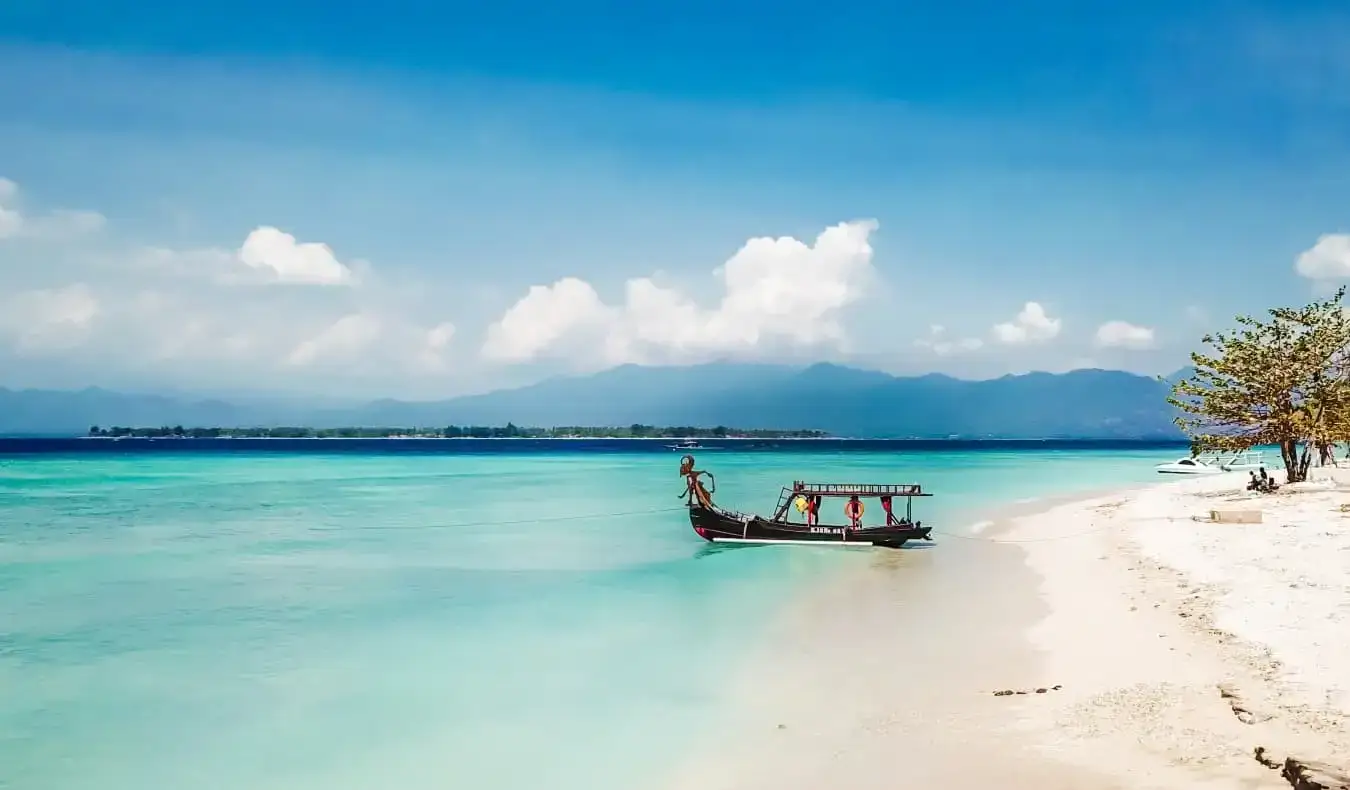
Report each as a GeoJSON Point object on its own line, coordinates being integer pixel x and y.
{"type": "Point", "coordinates": [840, 400]}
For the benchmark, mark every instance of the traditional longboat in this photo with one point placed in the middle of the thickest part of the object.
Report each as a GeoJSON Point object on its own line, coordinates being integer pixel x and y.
{"type": "Point", "coordinates": [719, 525]}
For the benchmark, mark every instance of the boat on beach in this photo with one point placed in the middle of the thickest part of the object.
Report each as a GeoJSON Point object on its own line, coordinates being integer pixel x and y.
{"type": "Point", "coordinates": [716, 524]}
{"type": "Point", "coordinates": [1213, 464]}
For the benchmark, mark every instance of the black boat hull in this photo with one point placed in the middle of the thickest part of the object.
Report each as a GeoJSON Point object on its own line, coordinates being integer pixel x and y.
{"type": "Point", "coordinates": [719, 526]}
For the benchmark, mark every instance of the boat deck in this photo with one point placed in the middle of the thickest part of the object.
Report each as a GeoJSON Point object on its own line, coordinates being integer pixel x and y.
{"type": "Point", "coordinates": [856, 489]}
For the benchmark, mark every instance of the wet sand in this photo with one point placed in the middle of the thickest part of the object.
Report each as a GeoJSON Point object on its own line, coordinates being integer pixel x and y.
{"type": "Point", "coordinates": [885, 678]}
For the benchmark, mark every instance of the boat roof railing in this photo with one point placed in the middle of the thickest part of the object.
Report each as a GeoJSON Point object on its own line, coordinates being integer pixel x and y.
{"type": "Point", "coordinates": [856, 489]}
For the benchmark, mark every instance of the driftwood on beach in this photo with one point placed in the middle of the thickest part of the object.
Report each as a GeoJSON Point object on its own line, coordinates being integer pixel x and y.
{"type": "Point", "coordinates": [1305, 774]}
{"type": "Point", "coordinates": [1011, 692]}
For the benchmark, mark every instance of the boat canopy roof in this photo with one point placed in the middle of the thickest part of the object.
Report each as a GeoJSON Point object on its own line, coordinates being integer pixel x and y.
{"type": "Point", "coordinates": [856, 489]}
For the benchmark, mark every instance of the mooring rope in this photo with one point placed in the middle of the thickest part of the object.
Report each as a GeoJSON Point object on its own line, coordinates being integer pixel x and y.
{"type": "Point", "coordinates": [510, 522]}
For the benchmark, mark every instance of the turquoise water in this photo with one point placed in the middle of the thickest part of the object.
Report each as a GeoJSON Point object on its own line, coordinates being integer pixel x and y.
{"type": "Point", "coordinates": [372, 621]}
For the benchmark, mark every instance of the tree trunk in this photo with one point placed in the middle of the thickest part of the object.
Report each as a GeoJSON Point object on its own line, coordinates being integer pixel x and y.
{"type": "Point", "coordinates": [1289, 454]}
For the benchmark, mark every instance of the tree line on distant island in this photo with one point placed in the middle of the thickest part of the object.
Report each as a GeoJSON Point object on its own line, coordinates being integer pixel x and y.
{"type": "Point", "coordinates": [509, 431]}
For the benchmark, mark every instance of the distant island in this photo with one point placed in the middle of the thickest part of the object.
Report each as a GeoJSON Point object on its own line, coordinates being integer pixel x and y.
{"type": "Point", "coordinates": [840, 401]}
{"type": "Point", "coordinates": [509, 431]}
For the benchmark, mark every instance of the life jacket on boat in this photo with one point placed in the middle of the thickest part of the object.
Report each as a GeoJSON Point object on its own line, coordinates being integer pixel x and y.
{"type": "Point", "coordinates": [853, 510]}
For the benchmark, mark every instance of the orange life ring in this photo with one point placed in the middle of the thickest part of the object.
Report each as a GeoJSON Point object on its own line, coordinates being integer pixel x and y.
{"type": "Point", "coordinates": [853, 509]}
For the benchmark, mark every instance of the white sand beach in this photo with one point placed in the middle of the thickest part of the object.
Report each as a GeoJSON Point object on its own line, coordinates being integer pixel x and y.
{"type": "Point", "coordinates": [1111, 642]}
{"type": "Point", "coordinates": [1183, 646]}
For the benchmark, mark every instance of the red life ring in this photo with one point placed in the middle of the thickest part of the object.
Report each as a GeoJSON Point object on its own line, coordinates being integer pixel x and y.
{"type": "Point", "coordinates": [853, 510]}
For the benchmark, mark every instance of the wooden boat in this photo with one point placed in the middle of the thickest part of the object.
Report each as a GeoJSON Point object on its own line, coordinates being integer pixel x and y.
{"type": "Point", "coordinates": [719, 525]}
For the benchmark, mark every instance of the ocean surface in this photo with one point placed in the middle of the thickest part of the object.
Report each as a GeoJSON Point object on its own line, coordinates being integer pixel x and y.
{"type": "Point", "coordinates": [336, 615]}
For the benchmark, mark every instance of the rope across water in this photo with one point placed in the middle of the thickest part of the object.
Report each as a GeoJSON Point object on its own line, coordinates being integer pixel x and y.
{"type": "Point", "coordinates": [510, 522]}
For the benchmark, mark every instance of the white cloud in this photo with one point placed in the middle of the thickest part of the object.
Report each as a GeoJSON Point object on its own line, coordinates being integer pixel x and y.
{"type": "Point", "coordinates": [342, 341]}
{"type": "Point", "coordinates": [939, 343]}
{"type": "Point", "coordinates": [11, 222]}
{"type": "Point", "coordinates": [267, 256]}
{"type": "Point", "coordinates": [61, 223]}
{"type": "Point", "coordinates": [1122, 334]}
{"type": "Point", "coordinates": [776, 291]}
{"type": "Point", "coordinates": [272, 250]}
{"type": "Point", "coordinates": [110, 313]}
{"type": "Point", "coordinates": [1329, 258]}
{"type": "Point", "coordinates": [46, 320]}
{"type": "Point", "coordinates": [542, 317]}
{"type": "Point", "coordinates": [432, 356]}
{"type": "Point", "coordinates": [1032, 325]}
{"type": "Point", "coordinates": [439, 336]}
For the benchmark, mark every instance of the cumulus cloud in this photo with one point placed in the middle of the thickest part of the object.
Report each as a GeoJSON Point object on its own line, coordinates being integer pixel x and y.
{"type": "Point", "coordinates": [1328, 259]}
{"type": "Point", "coordinates": [1122, 334]}
{"type": "Point", "coordinates": [112, 312]}
{"type": "Point", "coordinates": [545, 315]}
{"type": "Point", "coordinates": [941, 344]}
{"type": "Point", "coordinates": [1032, 325]}
{"type": "Point", "coordinates": [60, 223]}
{"type": "Point", "coordinates": [267, 256]}
{"type": "Point", "coordinates": [276, 252]}
{"type": "Point", "coordinates": [774, 291]}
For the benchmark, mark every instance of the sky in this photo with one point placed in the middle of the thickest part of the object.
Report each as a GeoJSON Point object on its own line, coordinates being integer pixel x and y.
{"type": "Point", "coordinates": [425, 199]}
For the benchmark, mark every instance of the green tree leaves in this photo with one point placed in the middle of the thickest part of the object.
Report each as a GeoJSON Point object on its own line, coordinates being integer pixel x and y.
{"type": "Point", "coordinates": [1283, 381]}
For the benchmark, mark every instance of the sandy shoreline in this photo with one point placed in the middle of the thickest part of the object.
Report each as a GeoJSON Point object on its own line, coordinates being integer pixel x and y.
{"type": "Point", "coordinates": [1183, 646]}
{"type": "Point", "coordinates": [1169, 650]}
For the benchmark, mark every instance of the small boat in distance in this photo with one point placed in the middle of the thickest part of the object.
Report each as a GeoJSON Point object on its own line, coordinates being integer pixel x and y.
{"type": "Point", "coordinates": [719, 525]}
{"type": "Point", "coordinates": [1215, 464]}
{"type": "Point", "coordinates": [687, 444]}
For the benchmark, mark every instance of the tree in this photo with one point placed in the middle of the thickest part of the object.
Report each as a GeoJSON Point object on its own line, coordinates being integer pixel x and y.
{"type": "Point", "coordinates": [1283, 381]}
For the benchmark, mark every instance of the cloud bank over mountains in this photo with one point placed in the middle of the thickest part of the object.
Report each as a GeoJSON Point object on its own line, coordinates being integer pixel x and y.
{"type": "Point", "coordinates": [281, 309]}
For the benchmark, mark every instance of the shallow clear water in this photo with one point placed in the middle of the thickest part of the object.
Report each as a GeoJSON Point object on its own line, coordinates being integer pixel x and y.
{"type": "Point", "coordinates": [359, 621]}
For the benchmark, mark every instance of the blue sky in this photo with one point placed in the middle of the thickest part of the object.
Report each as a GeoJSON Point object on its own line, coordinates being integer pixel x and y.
{"type": "Point", "coordinates": [1151, 166]}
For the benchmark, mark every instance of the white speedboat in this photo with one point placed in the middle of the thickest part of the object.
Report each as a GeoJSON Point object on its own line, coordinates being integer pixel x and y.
{"type": "Point", "coordinates": [1188, 466]}
{"type": "Point", "coordinates": [687, 444]}
{"type": "Point", "coordinates": [1212, 465]}
{"type": "Point", "coordinates": [690, 444]}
